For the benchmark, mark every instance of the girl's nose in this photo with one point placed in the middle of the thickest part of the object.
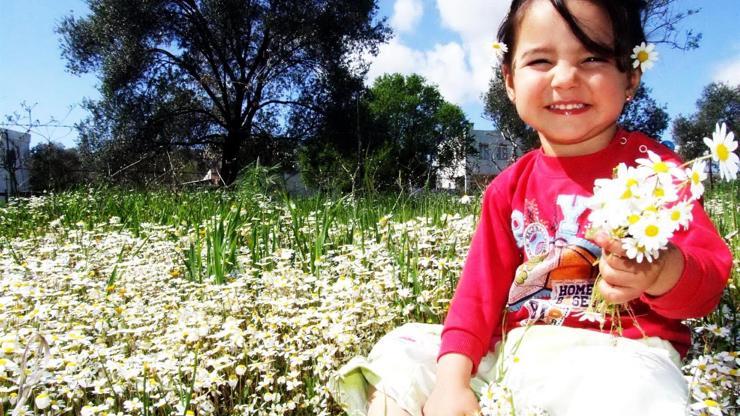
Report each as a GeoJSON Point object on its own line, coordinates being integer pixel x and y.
{"type": "Point", "coordinates": [564, 76]}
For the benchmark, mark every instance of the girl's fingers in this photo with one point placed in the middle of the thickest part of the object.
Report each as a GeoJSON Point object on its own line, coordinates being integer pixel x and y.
{"type": "Point", "coordinates": [617, 294]}
{"type": "Point", "coordinates": [609, 245]}
{"type": "Point", "coordinates": [622, 272]}
{"type": "Point", "coordinates": [620, 280]}
{"type": "Point", "coordinates": [616, 262]}
{"type": "Point", "coordinates": [611, 263]}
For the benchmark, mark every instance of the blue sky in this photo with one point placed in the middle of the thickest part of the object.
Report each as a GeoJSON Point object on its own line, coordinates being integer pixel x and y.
{"type": "Point", "coordinates": [447, 41]}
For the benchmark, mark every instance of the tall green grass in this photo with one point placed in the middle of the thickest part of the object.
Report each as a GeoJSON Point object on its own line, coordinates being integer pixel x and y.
{"type": "Point", "coordinates": [221, 224]}
{"type": "Point", "coordinates": [721, 205]}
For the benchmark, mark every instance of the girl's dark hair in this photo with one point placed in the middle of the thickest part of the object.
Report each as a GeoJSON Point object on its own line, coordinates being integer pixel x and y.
{"type": "Point", "coordinates": [625, 17]}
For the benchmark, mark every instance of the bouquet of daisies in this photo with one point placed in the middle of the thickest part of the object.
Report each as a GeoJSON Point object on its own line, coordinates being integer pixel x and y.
{"type": "Point", "coordinates": [643, 206]}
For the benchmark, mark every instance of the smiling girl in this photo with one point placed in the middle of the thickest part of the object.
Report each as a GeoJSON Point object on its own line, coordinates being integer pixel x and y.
{"type": "Point", "coordinates": [530, 270]}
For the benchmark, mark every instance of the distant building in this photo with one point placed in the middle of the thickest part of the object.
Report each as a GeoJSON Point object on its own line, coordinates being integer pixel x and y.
{"type": "Point", "coordinates": [14, 172]}
{"type": "Point", "coordinates": [494, 154]}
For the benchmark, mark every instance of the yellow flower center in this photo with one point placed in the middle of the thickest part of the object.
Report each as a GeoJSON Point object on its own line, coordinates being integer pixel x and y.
{"type": "Point", "coordinates": [633, 218]}
{"type": "Point", "coordinates": [651, 230]}
{"type": "Point", "coordinates": [676, 215]}
{"type": "Point", "coordinates": [723, 153]}
{"type": "Point", "coordinates": [631, 182]}
{"type": "Point", "coordinates": [711, 403]}
{"type": "Point", "coordinates": [659, 193]}
{"type": "Point", "coordinates": [660, 167]}
{"type": "Point", "coordinates": [643, 56]}
{"type": "Point", "coordinates": [695, 178]}
{"type": "Point", "coordinates": [627, 194]}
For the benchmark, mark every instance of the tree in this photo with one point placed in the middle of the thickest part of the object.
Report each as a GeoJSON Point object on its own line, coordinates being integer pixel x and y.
{"type": "Point", "coordinates": [502, 112]}
{"type": "Point", "coordinates": [338, 140]}
{"type": "Point", "coordinates": [54, 168]}
{"type": "Point", "coordinates": [661, 22]}
{"type": "Point", "coordinates": [400, 131]}
{"type": "Point", "coordinates": [416, 123]}
{"type": "Point", "coordinates": [719, 103]}
{"type": "Point", "coordinates": [644, 114]}
{"type": "Point", "coordinates": [220, 73]}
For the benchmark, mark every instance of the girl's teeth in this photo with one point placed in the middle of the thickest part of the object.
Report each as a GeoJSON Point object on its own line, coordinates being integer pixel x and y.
{"type": "Point", "coordinates": [566, 106]}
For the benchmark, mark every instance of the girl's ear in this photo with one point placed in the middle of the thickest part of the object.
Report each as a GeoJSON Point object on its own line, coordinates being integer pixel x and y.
{"type": "Point", "coordinates": [633, 81]}
{"type": "Point", "coordinates": [509, 82]}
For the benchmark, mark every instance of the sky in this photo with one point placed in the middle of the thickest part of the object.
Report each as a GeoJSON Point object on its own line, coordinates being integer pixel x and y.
{"type": "Point", "coordinates": [446, 41]}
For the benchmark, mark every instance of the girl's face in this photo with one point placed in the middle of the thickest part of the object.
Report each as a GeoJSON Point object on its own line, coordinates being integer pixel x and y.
{"type": "Point", "coordinates": [569, 95]}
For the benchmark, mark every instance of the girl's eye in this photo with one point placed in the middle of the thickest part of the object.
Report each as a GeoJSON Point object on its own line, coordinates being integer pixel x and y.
{"type": "Point", "coordinates": [591, 59]}
{"type": "Point", "coordinates": [538, 62]}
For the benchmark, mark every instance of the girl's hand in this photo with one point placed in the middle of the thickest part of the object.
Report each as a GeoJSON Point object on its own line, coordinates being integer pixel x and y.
{"type": "Point", "coordinates": [624, 280]}
{"type": "Point", "coordinates": [451, 400]}
{"type": "Point", "coordinates": [452, 395]}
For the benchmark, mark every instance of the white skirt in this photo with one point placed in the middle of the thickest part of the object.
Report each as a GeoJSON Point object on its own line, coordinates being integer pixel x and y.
{"type": "Point", "coordinates": [564, 371]}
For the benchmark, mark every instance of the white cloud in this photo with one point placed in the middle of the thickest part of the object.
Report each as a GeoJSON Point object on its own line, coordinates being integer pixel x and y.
{"type": "Point", "coordinates": [462, 66]}
{"type": "Point", "coordinates": [446, 67]}
{"type": "Point", "coordinates": [443, 65]}
{"type": "Point", "coordinates": [406, 15]}
{"type": "Point", "coordinates": [395, 57]}
{"type": "Point", "coordinates": [728, 72]}
{"type": "Point", "coordinates": [477, 19]}
{"type": "Point", "coordinates": [476, 24]}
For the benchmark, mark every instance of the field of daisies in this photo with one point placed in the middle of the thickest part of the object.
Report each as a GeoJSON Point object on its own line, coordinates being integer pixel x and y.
{"type": "Point", "coordinates": [244, 302]}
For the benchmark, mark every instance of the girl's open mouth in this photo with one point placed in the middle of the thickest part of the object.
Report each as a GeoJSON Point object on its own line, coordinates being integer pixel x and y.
{"type": "Point", "coordinates": [568, 108]}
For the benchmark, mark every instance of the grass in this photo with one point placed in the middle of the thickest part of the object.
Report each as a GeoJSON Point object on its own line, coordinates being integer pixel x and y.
{"type": "Point", "coordinates": [245, 301]}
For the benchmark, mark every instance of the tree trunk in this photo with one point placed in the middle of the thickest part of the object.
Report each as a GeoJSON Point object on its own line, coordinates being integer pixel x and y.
{"type": "Point", "coordinates": [230, 163]}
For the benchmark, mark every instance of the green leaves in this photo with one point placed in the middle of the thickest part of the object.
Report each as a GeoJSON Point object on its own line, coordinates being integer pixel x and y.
{"type": "Point", "coordinates": [217, 73]}
{"type": "Point", "coordinates": [500, 110]}
{"type": "Point", "coordinates": [643, 114]}
{"type": "Point", "coordinates": [719, 103]}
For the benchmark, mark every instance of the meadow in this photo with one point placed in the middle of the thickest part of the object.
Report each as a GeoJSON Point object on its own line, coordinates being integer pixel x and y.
{"type": "Point", "coordinates": [208, 302]}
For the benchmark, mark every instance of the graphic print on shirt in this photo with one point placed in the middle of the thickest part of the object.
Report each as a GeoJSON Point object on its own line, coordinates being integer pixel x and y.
{"type": "Point", "coordinates": [558, 276]}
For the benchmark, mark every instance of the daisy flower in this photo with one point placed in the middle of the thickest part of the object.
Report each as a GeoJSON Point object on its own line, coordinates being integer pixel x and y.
{"type": "Point", "coordinates": [656, 192]}
{"type": "Point", "coordinates": [679, 214]}
{"type": "Point", "coordinates": [723, 145]}
{"type": "Point", "coordinates": [644, 56]}
{"type": "Point", "coordinates": [696, 174]}
{"type": "Point", "coordinates": [610, 212]}
{"type": "Point", "coordinates": [626, 180]}
{"type": "Point", "coordinates": [707, 406]}
{"type": "Point", "coordinates": [718, 331]}
{"type": "Point", "coordinates": [590, 316]}
{"type": "Point", "coordinates": [652, 231]}
{"type": "Point", "coordinates": [637, 252]}
{"type": "Point", "coordinates": [665, 171]}
{"type": "Point", "coordinates": [499, 49]}
{"type": "Point", "coordinates": [42, 400]}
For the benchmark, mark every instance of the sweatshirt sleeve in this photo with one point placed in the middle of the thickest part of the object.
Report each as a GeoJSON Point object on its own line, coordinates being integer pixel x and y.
{"type": "Point", "coordinates": [479, 300]}
{"type": "Point", "coordinates": [707, 266]}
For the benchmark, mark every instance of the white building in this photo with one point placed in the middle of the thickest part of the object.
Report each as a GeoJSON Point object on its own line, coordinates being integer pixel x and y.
{"type": "Point", "coordinates": [14, 171]}
{"type": "Point", "coordinates": [494, 154]}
